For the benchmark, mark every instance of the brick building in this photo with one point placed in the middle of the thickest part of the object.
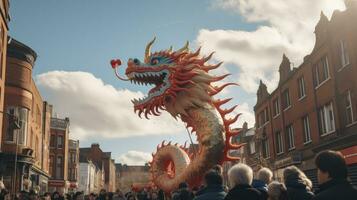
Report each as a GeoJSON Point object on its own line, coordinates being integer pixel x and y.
{"type": "Point", "coordinates": [73, 164]}
{"type": "Point", "coordinates": [102, 160]}
{"type": "Point", "coordinates": [25, 128]}
{"type": "Point", "coordinates": [314, 106]}
{"type": "Point", "coordinates": [4, 20]}
{"type": "Point", "coordinates": [127, 176]}
{"type": "Point", "coordinates": [59, 155]}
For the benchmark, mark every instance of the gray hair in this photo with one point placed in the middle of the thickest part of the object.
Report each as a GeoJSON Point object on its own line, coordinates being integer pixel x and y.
{"type": "Point", "coordinates": [294, 171]}
{"type": "Point", "coordinates": [265, 175]}
{"type": "Point", "coordinates": [276, 190]}
{"type": "Point", "coordinates": [240, 174]}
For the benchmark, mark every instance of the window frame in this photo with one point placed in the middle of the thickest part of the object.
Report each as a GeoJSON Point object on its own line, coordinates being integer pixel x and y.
{"type": "Point", "coordinates": [290, 137]}
{"type": "Point", "coordinates": [301, 88]}
{"type": "Point", "coordinates": [279, 143]}
{"type": "Point", "coordinates": [349, 107]}
{"type": "Point", "coordinates": [344, 56]}
{"type": "Point", "coordinates": [276, 106]}
{"type": "Point", "coordinates": [324, 113]}
{"type": "Point", "coordinates": [306, 129]}
{"type": "Point", "coordinates": [287, 101]}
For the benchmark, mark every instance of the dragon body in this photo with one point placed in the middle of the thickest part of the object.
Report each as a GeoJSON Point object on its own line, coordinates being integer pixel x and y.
{"type": "Point", "coordinates": [183, 87]}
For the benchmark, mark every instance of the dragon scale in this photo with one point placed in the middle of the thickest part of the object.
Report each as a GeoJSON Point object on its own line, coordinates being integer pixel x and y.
{"type": "Point", "coordinates": [183, 88]}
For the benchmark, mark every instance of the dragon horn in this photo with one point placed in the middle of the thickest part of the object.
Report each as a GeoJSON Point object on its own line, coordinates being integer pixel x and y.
{"type": "Point", "coordinates": [147, 50]}
{"type": "Point", "coordinates": [184, 48]}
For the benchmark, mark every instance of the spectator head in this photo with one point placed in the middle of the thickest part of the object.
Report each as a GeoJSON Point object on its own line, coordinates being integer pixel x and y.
{"type": "Point", "coordinates": [212, 177]}
{"type": "Point", "coordinates": [265, 175]}
{"type": "Point", "coordinates": [330, 165]}
{"type": "Point", "coordinates": [183, 185]}
{"type": "Point", "coordinates": [292, 172]}
{"type": "Point", "coordinates": [240, 174]}
{"type": "Point", "coordinates": [277, 191]}
{"type": "Point", "coordinates": [218, 169]}
{"type": "Point", "coordinates": [78, 196]}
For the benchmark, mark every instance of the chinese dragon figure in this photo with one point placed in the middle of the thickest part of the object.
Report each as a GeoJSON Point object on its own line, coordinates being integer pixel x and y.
{"type": "Point", "coordinates": [183, 87]}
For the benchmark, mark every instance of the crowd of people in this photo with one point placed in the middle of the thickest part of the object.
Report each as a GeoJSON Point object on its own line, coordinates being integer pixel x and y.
{"type": "Point", "coordinates": [332, 177]}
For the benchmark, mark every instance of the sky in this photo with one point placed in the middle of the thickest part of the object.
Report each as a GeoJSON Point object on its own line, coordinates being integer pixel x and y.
{"type": "Point", "coordinates": [75, 41]}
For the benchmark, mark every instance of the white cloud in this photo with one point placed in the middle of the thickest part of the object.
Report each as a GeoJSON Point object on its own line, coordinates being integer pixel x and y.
{"type": "Point", "coordinates": [286, 26]}
{"type": "Point", "coordinates": [99, 109]}
{"type": "Point", "coordinates": [135, 158]}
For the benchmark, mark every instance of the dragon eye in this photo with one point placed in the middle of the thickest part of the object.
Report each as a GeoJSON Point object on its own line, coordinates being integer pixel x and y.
{"type": "Point", "coordinates": [154, 61]}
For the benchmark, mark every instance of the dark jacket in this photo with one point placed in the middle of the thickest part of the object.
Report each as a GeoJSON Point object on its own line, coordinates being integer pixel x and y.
{"type": "Point", "coordinates": [183, 194]}
{"type": "Point", "coordinates": [262, 187]}
{"type": "Point", "coordinates": [336, 190]}
{"type": "Point", "coordinates": [297, 189]}
{"type": "Point", "coordinates": [212, 192]}
{"type": "Point", "coordinates": [243, 192]}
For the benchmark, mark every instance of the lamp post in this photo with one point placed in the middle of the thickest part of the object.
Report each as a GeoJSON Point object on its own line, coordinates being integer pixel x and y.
{"type": "Point", "coordinates": [13, 124]}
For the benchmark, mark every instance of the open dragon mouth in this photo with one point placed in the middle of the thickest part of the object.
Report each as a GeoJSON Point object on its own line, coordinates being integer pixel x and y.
{"type": "Point", "coordinates": [160, 79]}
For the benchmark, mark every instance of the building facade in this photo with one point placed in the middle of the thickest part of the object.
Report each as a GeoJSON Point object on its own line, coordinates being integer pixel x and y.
{"type": "Point", "coordinates": [59, 155]}
{"type": "Point", "coordinates": [104, 161]}
{"type": "Point", "coordinates": [87, 173]}
{"type": "Point", "coordinates": [129, 176]}
{"type": "Point", "coordinates": [73, 164]}
{"type": "Point", "coordinates": [314, 106]}
{"type": "Point", "coordinates": [4, 28]}
{"type": "Point", "coordinates": [25, 135]}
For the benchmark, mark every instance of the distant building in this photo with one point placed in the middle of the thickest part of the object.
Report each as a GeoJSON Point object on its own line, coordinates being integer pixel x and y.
{"type": "Point", "coordinates": [87, 173]}
{"type": "Point", "coordinates": [314, 107]}
{"type": "Point", "coordinates": [73, 164]}
{"type": "Point", "coordinates": [59, 155]}
{"type": "Point", "coordinates": [126, 176]}
{"type": "Point", "coordinates": [104, 161]}
{"type": "Point", "coordinates": [25, 129]}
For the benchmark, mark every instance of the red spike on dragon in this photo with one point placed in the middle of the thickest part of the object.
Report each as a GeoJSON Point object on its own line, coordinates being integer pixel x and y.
{"type": "Point", "coordinates": [182, 86]}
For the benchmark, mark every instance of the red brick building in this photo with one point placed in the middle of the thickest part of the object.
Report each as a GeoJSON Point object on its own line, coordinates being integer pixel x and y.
{"type": "Point", "coordinates": [101, 159]}
{"type": "Point", "coordinates": [73, 164]}
{"type": "Point", "coordinates": [25, 129]}
{"type": "Point", "coordinates": [314, 106]}
{"type": "Point", "coordinates": [4, 20]}
{"type": "Point", "coordinates": [59, 155]}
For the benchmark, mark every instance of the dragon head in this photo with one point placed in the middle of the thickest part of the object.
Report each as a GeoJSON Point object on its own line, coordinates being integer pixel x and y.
{"type": "Point", "coordinates": [180, 80]}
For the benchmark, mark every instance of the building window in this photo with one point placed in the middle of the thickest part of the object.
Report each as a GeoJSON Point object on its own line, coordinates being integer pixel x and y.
{"type": "Point", "coordinates": [349, 109]}
{"type": "Point", "coordinates": [252, 147]}
{"type": "Point", "coordinates": [59, 167]}
{"type": "Point", "coordinates": [263, 117]}
{"type": "Point", "coordinates": [60, 141]}
{"type": "Point", "coordinates": [321, 72]}
{"type": "Point", "coordinates": [53, 140]}
{"type": "Point", "coordinates": [306, 129]}
{"type": "Point", "coordinates": [290, 137]}
{"type": "Point", "coordinates": [286, 99]}
{"type": "Point", "coordinates": [326, 119]}
{"type": "Point", "coordinates": [279, 143]}
{"type": "Point", "coordinates": [51, 165]}
{"type": "Point", "coordinates": [345, 59]}
{"type": "Point", "coordinates": [265, 145]}
{"type": "Point", "coordinates": [72, 157]}
{"type": "Point", "coordinates": [22, 115]}
{"type": "Point", "coordinates": [301, 90]}
{"type": "Point", "coordinates": [276, 107]}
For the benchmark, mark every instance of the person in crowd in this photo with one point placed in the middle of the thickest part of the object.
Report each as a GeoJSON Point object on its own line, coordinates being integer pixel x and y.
{"type": "Point", "coordinates": [102, 194]}
{"type": "Point", "coordinates": [214, 187]}
{"type": "Point", "coordinates": [264, 177]}
{"type": "Point", "coordinates": [161, 195]}
{"type": "Point", "coordinates": [91, 196]}
{"type": "Point", "coordinates": [131, 197]}
{"type": "Point", "coordinates": [33, 195]}
{"type": "Point", "coordinates": [277, 191]}
{"type": "Point", "coordinates": [332, 177]}
{"type": "Point", "coordinates": [298, 185]}
{"type": "Point", "coordinates": [78, 196]}
{"type": "Point", "coordinates": [183, 193]}
{"type": "Point", "coordinates": [240, 177]}
{"type": "Point", "coordinates": [46, 196]}
{"type": "Point", "coordinates": [118, 195]}
{"type": "Point", "coordinates": [218, 169]}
